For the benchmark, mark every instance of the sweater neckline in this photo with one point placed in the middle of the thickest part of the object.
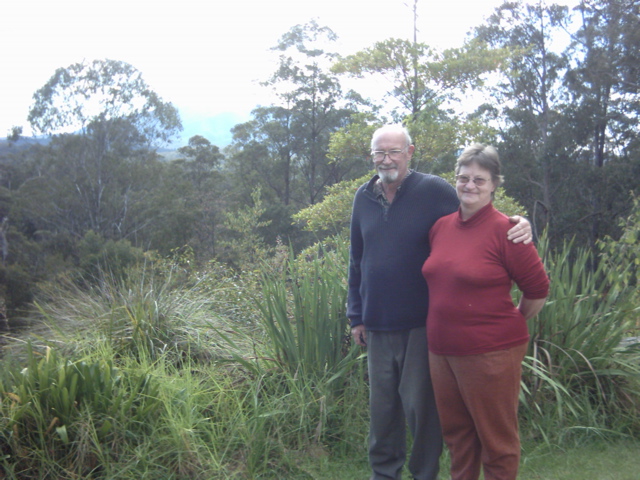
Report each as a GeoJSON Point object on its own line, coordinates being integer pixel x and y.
{"type": "Point", "coordinates": [477, 218]}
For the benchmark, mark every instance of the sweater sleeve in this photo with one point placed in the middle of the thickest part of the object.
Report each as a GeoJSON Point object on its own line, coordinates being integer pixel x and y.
{"type": "Point", "coordinates": [527, 270]}
{"type": "Point", "coordinates": [354, 299]}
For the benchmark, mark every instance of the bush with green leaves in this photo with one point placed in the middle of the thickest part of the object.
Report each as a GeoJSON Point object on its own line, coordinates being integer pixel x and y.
{"type": "Point", "coordinates": [97, 254]}
{"type": "Point", "coordinates": [250, 415]}
{"type": "Point", "coordinates": [43, 405]}
{"type": "Point", "coordinates": [304, 371]}
{"type": "Point", "coordinates": [579, 374]}
{"type": "Point", "coordinates": [622, 255]}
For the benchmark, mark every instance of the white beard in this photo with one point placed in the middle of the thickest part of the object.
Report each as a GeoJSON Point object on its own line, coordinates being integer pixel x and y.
{"type": "Point", "coordinates": [388, 176]}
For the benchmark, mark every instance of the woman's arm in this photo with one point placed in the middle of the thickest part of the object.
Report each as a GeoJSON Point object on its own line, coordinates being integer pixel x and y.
{"type": "Point", "coordinates": [530, 308]}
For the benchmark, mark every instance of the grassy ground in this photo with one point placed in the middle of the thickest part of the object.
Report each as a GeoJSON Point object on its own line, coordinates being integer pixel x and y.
{"type": "Point", "coordinates": [597, 461]}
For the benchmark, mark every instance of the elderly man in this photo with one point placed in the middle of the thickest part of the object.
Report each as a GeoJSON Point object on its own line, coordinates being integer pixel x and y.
{"type": "Point", "coordinates": [388, 302]}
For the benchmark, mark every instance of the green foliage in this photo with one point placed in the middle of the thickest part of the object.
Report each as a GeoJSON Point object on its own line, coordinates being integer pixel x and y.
{"type": "Point", "coordinates": [16, 287]}
{"type": "Point", "coordinates": [285, 146]}
{"type": "Point", "coordinates": [302, 305]}
{"type": "Point", "coordinates": [333, 214]}
{"type": "Point", "coordinates": [95, 255]}
{"type": "Point", "coordinates": [354, 140]}
{"type": "Point", "coordinates": [43, 403]}
{"type": "Point", "coordinates": [350, 146]}
{"type": "Point", "coordinates": [305, 374]}
{"type": "Point", "coordinates": [604, 105]}
{"type": "Point", "coordinates": [304, 315]}
{"type": "Point", "coordinates": [420, 76]}
{"type": "Point", "coordinates": [622, 256]}
{"type": "Point", "coordinates": [147, 313]}
{"type": "Point", "coordinates": [210, 419]}
{"type": "Point", "coordinates": [579, 373]}
{"type": "Point", "coordinates": [406, 64]}
{"type": "Point", "coordinates": [175, 375]}
{"type": "Point", "coordinates": [242, 245]}
{"type": "Point", "coordinates": [437, 136]}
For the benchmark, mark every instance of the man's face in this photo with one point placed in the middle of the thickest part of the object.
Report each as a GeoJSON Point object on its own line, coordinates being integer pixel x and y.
{"type": "Point", "coordinates": [394, 166]}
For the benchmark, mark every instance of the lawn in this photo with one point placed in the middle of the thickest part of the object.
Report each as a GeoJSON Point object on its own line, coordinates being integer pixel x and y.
{"type": "Point", "coordinates": [618, 460]}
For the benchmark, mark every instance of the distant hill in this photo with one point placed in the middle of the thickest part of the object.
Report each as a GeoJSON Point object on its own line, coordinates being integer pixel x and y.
{"type": "Point", "coordinates": [216, 129]}
{"type": "Point", "coordinates": [22, 144]}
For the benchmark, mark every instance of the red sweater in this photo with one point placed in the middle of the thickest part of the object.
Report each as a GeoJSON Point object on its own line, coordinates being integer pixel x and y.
{"type": "Point", "coordinates": [470, 272]}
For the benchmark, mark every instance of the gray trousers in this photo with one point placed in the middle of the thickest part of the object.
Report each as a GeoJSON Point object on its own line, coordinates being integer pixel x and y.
{"type": "Point", "coordinates": [401, 394]}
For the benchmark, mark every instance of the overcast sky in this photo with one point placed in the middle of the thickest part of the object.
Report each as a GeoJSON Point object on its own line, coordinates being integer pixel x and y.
{"type": "Point", "coordinates": [204, 56]}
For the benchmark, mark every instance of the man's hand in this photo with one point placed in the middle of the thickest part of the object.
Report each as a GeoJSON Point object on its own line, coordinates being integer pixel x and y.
{"type": "Point", "coordinates": [521, 232]}
{"type": "Point", "coordinates": [359, 335]}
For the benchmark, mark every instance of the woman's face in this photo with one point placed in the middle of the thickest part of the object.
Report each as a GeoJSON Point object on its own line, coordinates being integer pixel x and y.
{"type": "Point", "coordinates": [474, 187]}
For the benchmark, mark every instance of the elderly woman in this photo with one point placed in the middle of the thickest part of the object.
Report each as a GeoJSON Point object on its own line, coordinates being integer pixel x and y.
{"type": "Point", "coordinates": [477, 336]}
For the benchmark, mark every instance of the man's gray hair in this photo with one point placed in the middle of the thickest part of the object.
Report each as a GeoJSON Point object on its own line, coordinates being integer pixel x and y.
{"type": "Point", "coordinates": [396, 128]}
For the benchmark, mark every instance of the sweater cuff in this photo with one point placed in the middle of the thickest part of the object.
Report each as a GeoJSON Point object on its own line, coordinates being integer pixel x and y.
{"type": "Point", "coordinates": [355, 321]}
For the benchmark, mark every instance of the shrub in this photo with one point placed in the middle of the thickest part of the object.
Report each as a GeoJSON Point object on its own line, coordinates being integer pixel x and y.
{"type": "Point", "coordinates": [577, 373]}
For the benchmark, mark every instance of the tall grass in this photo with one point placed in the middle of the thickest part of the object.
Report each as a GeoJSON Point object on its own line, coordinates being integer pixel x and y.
{"type": "Point", "coordinates": [303, 308]}
{"type": "Point", "coordinates": [62, 408]}
{"type": "Point", "coordinates": [151, 312]}
{"type": "Point", "coordinates": [578, 375]}
{"type": "Point", "coordinates": [142, 385]}
{"type": "Point", "coordinates": [300, 357]}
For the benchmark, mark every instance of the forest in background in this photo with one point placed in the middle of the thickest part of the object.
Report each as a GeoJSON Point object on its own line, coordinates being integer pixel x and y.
{"type": "Point", "coordinates": [187, 314]}
{"type": "Point", "coordinates": [564, 118]}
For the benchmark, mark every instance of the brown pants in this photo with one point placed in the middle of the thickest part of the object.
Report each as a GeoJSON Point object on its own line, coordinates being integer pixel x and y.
{"type": "Point", "coordinates": [477, 399]}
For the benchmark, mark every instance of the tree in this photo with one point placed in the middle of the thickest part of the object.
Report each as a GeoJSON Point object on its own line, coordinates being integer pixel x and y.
{"type": "Point", "coordinates": [605, 81]}
{"type": "Point", "coordinates": [104, 177]}
{"type": "Point", "coordinates": [312, 96]}
{"type": "Point", "coordinates": [242, 245]}
{"type": "Point", "coordinates": [14, 134]}
{"type": "Point", "coordinates": [264, 152]}
{"type": "Point", "coordinates": [529, 102]}
{"type": "Point", "coordinates": [201, 167]}
{"type": "Point", "coordinates": [421, 77]}
{"type": "Point", "coordinates": [201, 160]}
{"type": "Point", "coordinates": [284, 148]}
{"type": "Point", "coordinates": [605, 78]}
{"type": "Point", "coordinates": [102, 91]}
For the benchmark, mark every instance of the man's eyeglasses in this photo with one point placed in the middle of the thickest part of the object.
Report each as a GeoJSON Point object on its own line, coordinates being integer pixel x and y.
{"type": "Point", "coordinates": [378, 155]}
{"type": "Point", "coordinates": [464, 179]}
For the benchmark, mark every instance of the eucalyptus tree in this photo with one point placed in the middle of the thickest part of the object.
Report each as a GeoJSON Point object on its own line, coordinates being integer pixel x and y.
{"type": "Point", "coordinates": [407, 65]}
{"type": "Point", "coordinates": [605, 78]}
{"type": "Point", "coordinates": [87, 93]}
{"type": "Point", "coordinates": [200, 165]}
{"type": "Point", "coordinates": [201, 161]}
{"type": "Point", "coordinates": [117, 197]}
{"type": "Point", "coordinates": [604, 81]}
{"type": "Point", "coordinates": [313, 98]}
{"type": "Point", "coordinates": [420, 76]}
{"type": "Point", "coordinates": [428, 90]}
{"type": "Point", "coordinates": [263, 152]}
{"type": "Point", "coordinates": [529, 103]}
{"type": "Point", "coordinates": [100, 171]}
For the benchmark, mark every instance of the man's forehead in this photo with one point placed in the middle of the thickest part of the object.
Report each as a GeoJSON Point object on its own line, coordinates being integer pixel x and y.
{"type": "Point", "coordinates": [390, 138]}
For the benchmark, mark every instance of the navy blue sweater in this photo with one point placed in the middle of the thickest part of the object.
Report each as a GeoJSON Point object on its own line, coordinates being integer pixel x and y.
{"type": "Point", "coordinates": [388, 247]}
